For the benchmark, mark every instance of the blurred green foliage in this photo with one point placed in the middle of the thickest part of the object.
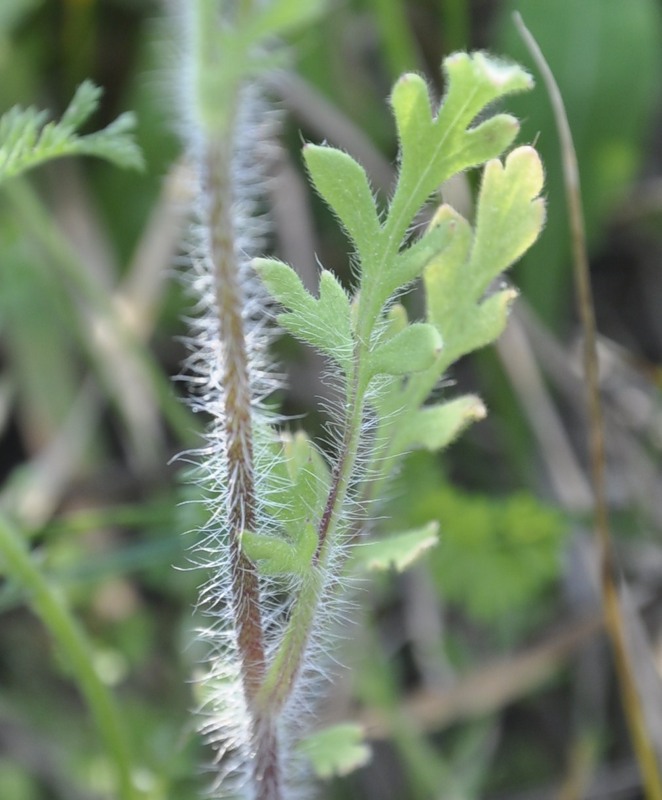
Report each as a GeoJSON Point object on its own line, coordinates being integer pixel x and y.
{"type": "Point", "coordinates": [497, 558]}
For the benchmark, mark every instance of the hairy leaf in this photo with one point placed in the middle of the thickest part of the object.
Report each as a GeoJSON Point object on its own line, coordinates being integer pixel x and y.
{"type": "Point", "coordinates": [509, 217]}
{"type": "Point", "coordinates": [411, 350]}
{"type": "Point", "coordinates": [323, 323]}
{"type": "Point", "coordinates": [344, 186]}
{"type": "Point", "coordinates": [435, 427]}
{"type": "Point", "coordinates": [510, 214]}
{"type": "Point", "coordinates": [398, 551]}
{"type": "Point", "coordinates": [298, 484]}
{"type": "Point", "coordinates": [434, 147]}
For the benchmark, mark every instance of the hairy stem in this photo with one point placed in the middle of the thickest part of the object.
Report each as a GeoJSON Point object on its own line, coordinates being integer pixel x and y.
{"type": "Point", "coordinates": [241, 504]}
{"type": "Point", "coordinates": [237, 415]}
{"type": "Point", "coordinates": [281, 677]}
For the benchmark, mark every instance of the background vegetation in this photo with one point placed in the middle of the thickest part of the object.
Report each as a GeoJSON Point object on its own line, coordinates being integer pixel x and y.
{"type": "Point", "coordinates": [481, 673]}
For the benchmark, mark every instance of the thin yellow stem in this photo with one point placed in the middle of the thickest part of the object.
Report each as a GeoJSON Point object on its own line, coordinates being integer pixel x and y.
{"type": "Point", "coordinates": [608, 571]}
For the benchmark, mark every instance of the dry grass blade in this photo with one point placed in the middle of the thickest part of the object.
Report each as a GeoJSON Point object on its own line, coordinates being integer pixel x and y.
{"type": "Point", "coordinates": [488, 688]}
{"type": "Point", "coordinates": [614, 617]}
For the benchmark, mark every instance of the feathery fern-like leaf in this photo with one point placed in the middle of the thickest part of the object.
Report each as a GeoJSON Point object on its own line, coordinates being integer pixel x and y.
{"type": "Point", "coordinates": [27, 139]}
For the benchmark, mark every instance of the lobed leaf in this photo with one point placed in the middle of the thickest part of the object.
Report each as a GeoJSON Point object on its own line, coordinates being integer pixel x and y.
{"type": "Point", "coordinates": [398, 551]}
{"type": "Point", "coordinates": [435, 427]}
{"type": "Point", "coordinates": [510, 214]}
{"type": "Point", "coordinates": [324, 323]}
{"type": "Point", "coordinates": [381, 280]}
{"type": "Point", "coordinates": [337, 750]}
{"type": "Point", "coordinates": [509, 217]}
{"type": "Point", "coordinates": [434, 148]}
{"type": "Point", "coordinates": [27, 140]}
{"type": "Point", "coordinates": [83, 104]}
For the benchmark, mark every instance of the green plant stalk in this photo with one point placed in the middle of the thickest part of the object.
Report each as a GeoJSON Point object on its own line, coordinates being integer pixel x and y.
{"type": "Point", "coordinates": [49, 606]}
{"type": "Point", "coordinates": [277, 686]}
{"type": "Point", "coordinates": [280, 679]}
{"type": "Point", "coordinates": [614, 621]}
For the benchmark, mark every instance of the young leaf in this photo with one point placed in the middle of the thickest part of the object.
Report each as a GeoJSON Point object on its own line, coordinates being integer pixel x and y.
{"type": "Point", "coordinates": [337, 750]}
{"type": "Point", "coordinates": [510, 214]}
{"type": "Point", "coordinates": [309, 478]}
{"type": "Point", "coordinates": [323, 323]}
{"type": "Point", "coordinates": [296, 490]}
{"type": "Point", "coordinates": [432, 149]}
{"type": "Point", "coordinates": [413, 349]}
{"type": "Point", "coordinates": [435, 427]}
{"type": "Point", "coordinates": [27, 140]}
{"type": "Point", "coordinates": [344, 186]}
{"type": "Point", "coordinates": [399, 551]}
{"type": "Point", "coordinates": [509, 217]}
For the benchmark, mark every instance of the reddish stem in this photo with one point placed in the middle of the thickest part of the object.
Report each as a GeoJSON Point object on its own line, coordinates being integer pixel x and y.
{"type": "Point", "coordinates": [239, 461]}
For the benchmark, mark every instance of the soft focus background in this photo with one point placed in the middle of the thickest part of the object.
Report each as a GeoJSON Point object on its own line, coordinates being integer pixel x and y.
{"type": "Point", "coordinates": [483, 672]}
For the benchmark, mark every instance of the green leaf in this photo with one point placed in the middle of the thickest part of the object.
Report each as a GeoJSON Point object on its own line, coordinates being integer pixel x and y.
{"type": "Point", "coordinates": [396, 320]}
{"type": "Point", "coordinates": [280, 17]}
{"type": "Point", "coordinates": [413, 349]}
{"type": "Point", "coordinates": [324, 323]}
{"type": "Point", "coordinates": [509, 217]}
{"type": "Point", "coordinates": [310, 480]}
{"type": "Point", "coordinates": [398, 551]}
{"type": "Point", "coordinates": [83, 104]}
{"type": "Point", "coordinates": [344, 186]}
{"type": "Point", "coordinates": [275, 556]}
{"type": "Point", "coordinates": [337, 750]}
{"type": "Point", "coordinates": [510, 214]}
{"type": "Point", "coordinates": [27, 140]}
{"type": "Point", "coordinates": [434, 148]}
{"type": "Point", "coordinates": [435, 427]}
{"type": "Point", "coordinates": [381, 281]}
{"type": "Point", "coordinates": [294, 494]}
